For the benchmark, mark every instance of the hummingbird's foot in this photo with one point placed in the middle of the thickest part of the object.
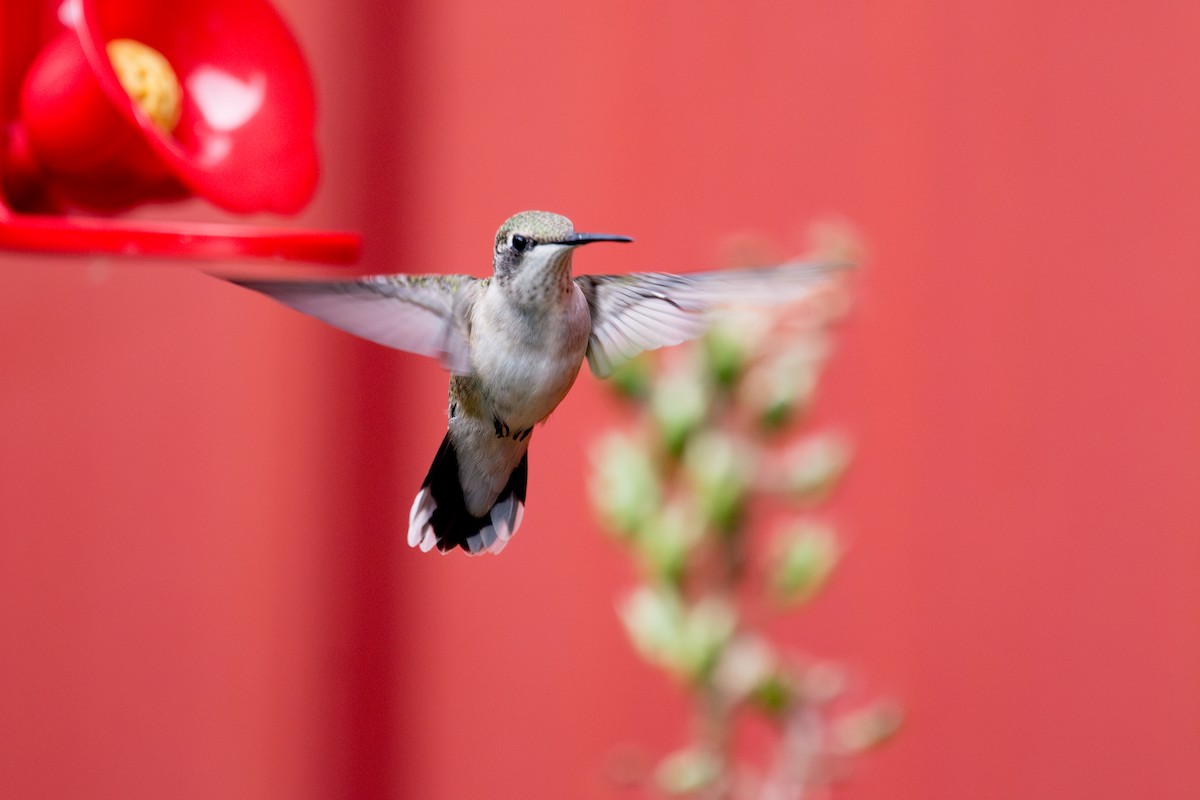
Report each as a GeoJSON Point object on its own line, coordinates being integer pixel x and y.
{"type": "Point", "coordinates": [504, 432]}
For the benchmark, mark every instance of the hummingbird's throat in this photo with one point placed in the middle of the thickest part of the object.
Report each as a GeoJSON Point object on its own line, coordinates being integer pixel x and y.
{"type": "Point", "coordinates": [543, 284]}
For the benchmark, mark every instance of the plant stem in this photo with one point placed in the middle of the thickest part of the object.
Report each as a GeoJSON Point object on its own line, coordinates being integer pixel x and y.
{"type": "Point", "coordinates": [713, 734]}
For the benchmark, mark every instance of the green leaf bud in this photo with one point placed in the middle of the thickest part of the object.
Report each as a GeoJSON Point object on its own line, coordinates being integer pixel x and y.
{"type": "Point", "coordinates": [804, 556]}
{"type": "Point", "coordinates": [625, 487]}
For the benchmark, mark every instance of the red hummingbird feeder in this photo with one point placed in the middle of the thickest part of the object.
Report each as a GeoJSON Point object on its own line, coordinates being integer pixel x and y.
{"type": "Point", "coordinates": [108, 104]}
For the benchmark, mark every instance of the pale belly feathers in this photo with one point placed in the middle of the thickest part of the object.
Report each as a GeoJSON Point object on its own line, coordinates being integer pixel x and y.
{"type": "Point", "coordinates": [526, 365]}
{"type": "Point", "coordinates": [523, 367]}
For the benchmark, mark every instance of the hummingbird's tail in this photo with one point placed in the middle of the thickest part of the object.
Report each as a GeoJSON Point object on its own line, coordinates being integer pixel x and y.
{"type": "Point", "coordinates": [440, 518]}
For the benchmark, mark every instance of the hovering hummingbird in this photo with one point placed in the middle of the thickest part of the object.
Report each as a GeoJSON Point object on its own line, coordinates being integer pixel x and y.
{"type": "Point", "coordinates": [514, 344]}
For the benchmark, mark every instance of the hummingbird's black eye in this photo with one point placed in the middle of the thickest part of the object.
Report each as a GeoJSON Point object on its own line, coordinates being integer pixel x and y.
{"type": "Point", "coordinates": [521, 243]}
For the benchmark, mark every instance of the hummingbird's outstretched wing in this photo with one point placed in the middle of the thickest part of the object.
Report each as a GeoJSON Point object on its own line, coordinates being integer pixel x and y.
{"type": "Point", "coordinates": [424, 314]}
{"type": "Point", "coordinates": [647, 310]}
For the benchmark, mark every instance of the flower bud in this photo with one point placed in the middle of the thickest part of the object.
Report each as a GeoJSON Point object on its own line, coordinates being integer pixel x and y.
{"type": "Point", "coordinates": [667, 538]}
{"type": "Point", "coordinates": [625, 486]}
{"type": "Point", "coordinates": [732, 342]}
{"type": "Point", "coordinates": [688, 771]}
{"type": "Point", "coordinates": [746, 664]}
{"type": "Point", "coordinates": [869, 727]}
{"type": "Point", "coordinates": [781, 386]}
{"type": "Point", "coordinates": [720, 469]}
{"type": "Point", "coordinates": [678, 404]}
{"type": "Point", "coordinates": [813, 466]}
{"type": "Point", "coordinates": [686, 642]}
{"type": "Point", "coordinates": [632, 378]}
{"type": "Point", "coordinates": [804, 556]}
{"type": "Point", "coordinates": [653, 619]}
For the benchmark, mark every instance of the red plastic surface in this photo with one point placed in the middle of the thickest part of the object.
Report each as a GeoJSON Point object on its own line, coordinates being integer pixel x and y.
{"type": "Point", "coordinates": [49, 233]}
{"type": "Point", "coordinates": [73, 139]}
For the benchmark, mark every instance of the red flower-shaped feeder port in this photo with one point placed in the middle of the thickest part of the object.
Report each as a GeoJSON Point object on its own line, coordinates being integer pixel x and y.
{"type": "Point", "coordinates": [106, 104]}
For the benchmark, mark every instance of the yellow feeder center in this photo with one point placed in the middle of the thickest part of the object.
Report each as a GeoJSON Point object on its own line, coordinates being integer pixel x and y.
{"type": "Point", "coordinates": [147, 77]}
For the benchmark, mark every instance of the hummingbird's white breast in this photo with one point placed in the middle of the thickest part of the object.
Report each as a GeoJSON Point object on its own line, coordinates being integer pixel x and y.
{"type": "Point", "coordinates": [526, 358]}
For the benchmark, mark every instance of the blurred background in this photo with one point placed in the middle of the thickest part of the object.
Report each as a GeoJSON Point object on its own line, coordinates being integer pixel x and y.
{"type": "Point", "coordinates": [204, 588]}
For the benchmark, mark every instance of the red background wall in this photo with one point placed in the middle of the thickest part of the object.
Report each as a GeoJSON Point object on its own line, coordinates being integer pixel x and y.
{"type": "Point", "coordinates": [203, 586]}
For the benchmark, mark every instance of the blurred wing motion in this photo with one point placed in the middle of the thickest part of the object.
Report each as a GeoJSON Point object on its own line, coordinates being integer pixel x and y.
{"type": "Point", "coordinates": [644, 311]}
{"type": "Point", "coordinates": [424, 314]}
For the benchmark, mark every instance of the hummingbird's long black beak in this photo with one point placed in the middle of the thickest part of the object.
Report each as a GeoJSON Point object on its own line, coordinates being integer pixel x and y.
{"type": "Point", "coordinates": [576, 239]}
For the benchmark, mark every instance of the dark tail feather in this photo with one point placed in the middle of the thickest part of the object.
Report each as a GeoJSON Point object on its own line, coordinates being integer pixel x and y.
{"type": "Point", "coordinates": [440, 517]}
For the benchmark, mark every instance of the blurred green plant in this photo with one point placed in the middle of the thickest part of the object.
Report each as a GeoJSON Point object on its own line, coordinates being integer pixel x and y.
{"type": "Point", "coordinates": [716, 435]}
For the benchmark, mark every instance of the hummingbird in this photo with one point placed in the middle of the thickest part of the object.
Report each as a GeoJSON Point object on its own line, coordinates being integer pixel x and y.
{"type": "Point", "coordinates": [514, 344]}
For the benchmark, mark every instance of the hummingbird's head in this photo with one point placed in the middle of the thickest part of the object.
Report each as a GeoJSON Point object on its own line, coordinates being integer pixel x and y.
{"type": "Point", "coordinates": [534, 246]}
